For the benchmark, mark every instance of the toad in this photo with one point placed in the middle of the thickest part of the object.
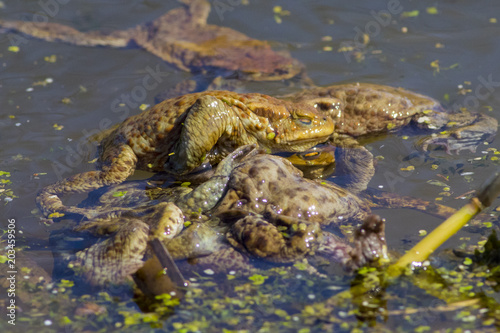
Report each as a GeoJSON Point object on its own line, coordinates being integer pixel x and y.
{"type": "Point", "coordinates": [267, 210]}
{"type": "Point", "coordinates": [362, 108]}
{"type": "Point", "coordinates": [271, 184]}
{"type": "Point", "coordinates": [278, 215]}
{"type": "Point", "coordinates": [180, 134]}
{"type": "Point", "coordinates": [137, 216]}
{"type": "Point", "coordinates": [223, 228]}
{"type": "Point", "coordinates": [183, 38]}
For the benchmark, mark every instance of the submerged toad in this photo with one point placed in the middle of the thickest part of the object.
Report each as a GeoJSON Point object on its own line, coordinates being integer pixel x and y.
{"type": "Point", "coordinates": [137, 216]}
{"type": "Point", "coordinates": [278, 215]}
{"type": "Point", "coordinates": [180, 134]}
{"type": "Point", "coordinates": [271, 184]}
{"type": "Point", "coordinates": [255, 210]}
{"type": "Point", "coordinates": [363, 108]}
{"type": "Point", "coordinates": [182, 37]}
{"type": "Point", "coordinates": [283, 231]}
{"type": "Point", "coordinates": [277, 239]}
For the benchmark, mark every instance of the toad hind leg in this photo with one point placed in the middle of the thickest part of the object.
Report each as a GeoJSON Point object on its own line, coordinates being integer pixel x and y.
{"type": "Point", "coordinates": [115, 258]}
{"type": "Point", "coordinates": [55, 32]}
{"type": "Point", "coordinates": [119, 163]}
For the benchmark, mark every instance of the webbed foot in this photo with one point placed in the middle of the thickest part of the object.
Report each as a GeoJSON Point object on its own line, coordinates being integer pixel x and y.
{"type": "Point", "coordinates": [199, 239]}
{"type": "Point", "coordinates": [468, 137]}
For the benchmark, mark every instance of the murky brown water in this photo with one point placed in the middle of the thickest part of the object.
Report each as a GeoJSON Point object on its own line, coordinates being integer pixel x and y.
{"type": "Point", "coordinates": [462, 37]}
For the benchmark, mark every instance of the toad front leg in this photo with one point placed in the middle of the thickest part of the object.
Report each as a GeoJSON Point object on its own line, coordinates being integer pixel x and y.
{"type": "Point", "coordinates": [463, 131]}
{"type": "Point", "coordinates": [119, 164]}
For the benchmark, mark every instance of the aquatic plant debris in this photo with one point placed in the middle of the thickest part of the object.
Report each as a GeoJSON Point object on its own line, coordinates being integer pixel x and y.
{"type": "Point", "coordinates": [421, 251]}
{"type": "Point", "coordinates": [6, 193]}
{"type": "Point", "coordinates": [431, 10]}
{"type": "Point", "coordinates": [413, 13]}
{"type": "Point", "coordinates": [52, 58]}
{"type": "Point", "coordinates": [279, 13]}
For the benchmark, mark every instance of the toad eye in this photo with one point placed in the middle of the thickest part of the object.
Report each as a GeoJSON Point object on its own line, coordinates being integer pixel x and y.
{"type": "Point", "coordinates": [324, 106]}
{"type": "Point", "coordinates": [305, 121]}
{"type": "Point", "coordinates": [310, 156]}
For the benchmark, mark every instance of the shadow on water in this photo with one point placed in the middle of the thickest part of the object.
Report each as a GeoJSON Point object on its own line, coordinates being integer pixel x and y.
{"type": "Point", "coordinates": [55, 94]}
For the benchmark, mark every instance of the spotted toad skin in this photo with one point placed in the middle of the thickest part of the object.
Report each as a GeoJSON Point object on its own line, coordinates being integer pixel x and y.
{"type": "Point", "coordinates": [364, 108]}
{"type": "Point", "coordinates": [270, 183]}
{"type": "Point", "coordinates": [128, 222]}
{"type": "Point", "coordinates": [125, 224]}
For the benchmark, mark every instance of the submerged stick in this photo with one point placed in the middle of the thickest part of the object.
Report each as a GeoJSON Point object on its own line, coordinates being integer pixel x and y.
{"type": "Point", "coordinates": [167, 262]}
{"type": "Point", "coordinates": [159, 274]}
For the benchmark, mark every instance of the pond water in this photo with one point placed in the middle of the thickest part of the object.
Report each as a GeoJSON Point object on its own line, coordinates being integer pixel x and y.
{"type": "Point", "coordinates": [53, 94]}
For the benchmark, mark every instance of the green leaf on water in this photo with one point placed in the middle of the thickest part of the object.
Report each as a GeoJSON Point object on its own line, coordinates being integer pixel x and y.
{"type": "Point", "coordinates": [258, 279]}
{"type": "Point", "coordinates": [432, 10]}
{"type": "Point", "coordinates": [413, 13]}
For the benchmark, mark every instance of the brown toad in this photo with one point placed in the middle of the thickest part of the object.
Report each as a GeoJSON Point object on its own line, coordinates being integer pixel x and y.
{"type": "Point", "coordinates": [125, 224]}
{"type": "Point", "coordinates": [183, 38]}
{"type": "Point", "coordinates": [254, 216]}
{"type": "Point", "coordinates": [128, 222]}
{"type": "Point", "coordinates": [363, 108]}
{"type": "Point", "coordinates": [180, 134]}
{"type": "Point", "coordinates": [272, 184]}
{"type": "Point", "coordinates": [296, 211]}
{"type": "Point", "coordinates": [272, 212]}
